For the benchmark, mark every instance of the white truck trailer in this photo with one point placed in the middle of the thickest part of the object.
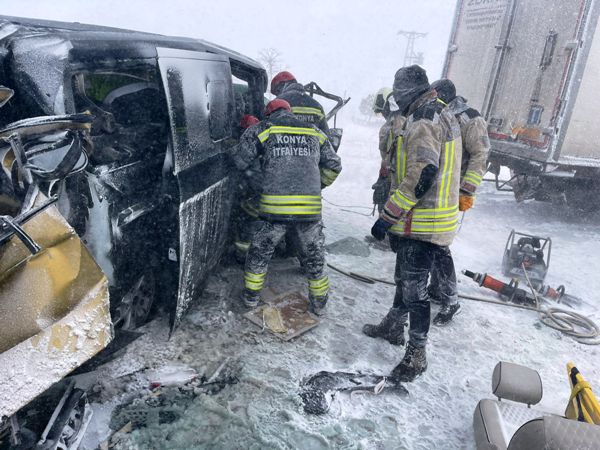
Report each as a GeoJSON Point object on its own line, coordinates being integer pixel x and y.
{"type": "Point", "coordinates": [532, 68]}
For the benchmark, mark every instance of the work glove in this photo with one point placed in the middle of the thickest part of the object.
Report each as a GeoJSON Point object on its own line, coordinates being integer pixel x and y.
{"type": "Point", "coordinates": [381, 190]}
{"type": "Point", "coordinates": [380, 228]}
{"type": "Point", "coordinates": [465, 202]}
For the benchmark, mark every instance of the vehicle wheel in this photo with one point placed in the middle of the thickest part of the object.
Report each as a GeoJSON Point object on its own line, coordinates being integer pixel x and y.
{"type": "Point", "coordinates": [75, 426]}
{"type": "Point", "coordinates": [524, 186]}
{"type": "Point", "coordinates": [137, 303]}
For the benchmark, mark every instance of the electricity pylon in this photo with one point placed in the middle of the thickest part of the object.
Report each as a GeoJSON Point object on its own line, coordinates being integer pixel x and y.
{"type": "Point", "coordinates": [410, 57]}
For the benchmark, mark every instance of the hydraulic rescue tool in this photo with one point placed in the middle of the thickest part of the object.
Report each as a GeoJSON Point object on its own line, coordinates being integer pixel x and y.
{"type": "Point", "coordinates": [526, 253]}
{"type": "Point", "coordinates": [335, 134]}
{"type": "Point", "coordinates": [513, 293]}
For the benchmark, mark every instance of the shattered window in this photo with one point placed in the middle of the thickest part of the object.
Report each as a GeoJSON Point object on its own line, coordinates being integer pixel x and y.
{"type": "Point", "coordinates": [127, 106]}
{"type": "Point", "coordinates": [218, 109]}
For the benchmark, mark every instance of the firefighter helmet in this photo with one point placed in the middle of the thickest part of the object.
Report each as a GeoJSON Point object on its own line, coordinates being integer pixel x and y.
{"type": "Point", "coordinates": [445, 89]}
{"type": "Point", "coordinates": [248, 120]}
{"type": "Point", "coordinates": [275, 105]}
{"type": "Point", "coordinates": [279, 79]}
{"type": "Point", "coordinates": [380, 99]}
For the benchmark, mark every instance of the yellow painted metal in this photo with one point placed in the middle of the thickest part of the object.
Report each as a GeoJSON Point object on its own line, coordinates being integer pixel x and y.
{"type": "Point", "coordinates": [54, 309]}
{"type": "Point", "coordinates": [583, 404]}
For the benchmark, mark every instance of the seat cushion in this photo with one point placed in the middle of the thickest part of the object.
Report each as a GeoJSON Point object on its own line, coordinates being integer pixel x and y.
{"type": "Point", "coordinates": [556, 433]}
{"type": "Point", "coordinates": [495, 422]}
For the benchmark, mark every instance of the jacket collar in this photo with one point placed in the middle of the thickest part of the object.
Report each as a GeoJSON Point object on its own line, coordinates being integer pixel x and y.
{"type": "Point", "coordinates": [292, 87]}
{"type": "Point", "coordinates": [458, 105]}
{"type": "Point", "coordinates": [421, 100]}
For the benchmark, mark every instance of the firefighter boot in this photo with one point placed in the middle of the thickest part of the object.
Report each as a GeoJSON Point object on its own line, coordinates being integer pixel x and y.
{"type": "Point", "coordinates": [446, 313]}
{"type": "Point", "coordinates": [317, 304]}
{"type": "Point", "coordinates": [251, 298]}
{"type": "Point", "coordinates": [391, 328]}
{"type": "Point", "coordinates": [412, 365]}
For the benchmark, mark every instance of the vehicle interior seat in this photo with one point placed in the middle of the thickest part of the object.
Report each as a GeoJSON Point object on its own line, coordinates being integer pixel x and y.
{"type": "Point", "coordinates": [510, 423]}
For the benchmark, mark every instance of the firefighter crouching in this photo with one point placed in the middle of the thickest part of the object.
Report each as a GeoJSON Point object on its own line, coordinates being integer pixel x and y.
{"type": "Point", "coordinates": [296, 161]}
{"type": "Point", "coordinates": [421, 215]}
{"type": "Point", "coordinates": [304, 107]}
{"type": "Point", "coordinates": [475, 149]}
{"type": "Point", "coordinates": [246, 217]}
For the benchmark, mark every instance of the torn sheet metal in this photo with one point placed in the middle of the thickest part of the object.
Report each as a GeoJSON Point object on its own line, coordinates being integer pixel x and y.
{"type": "Point", "coordinates": [286, 316]}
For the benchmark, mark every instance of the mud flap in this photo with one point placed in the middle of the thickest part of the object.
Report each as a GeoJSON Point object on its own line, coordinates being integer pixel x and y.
{"type": "Point", "coordinates": [54, 308]}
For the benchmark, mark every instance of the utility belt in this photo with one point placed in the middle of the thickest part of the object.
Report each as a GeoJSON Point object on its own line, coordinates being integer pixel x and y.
{"type": "Point", "coordinates": [297, 207]}
{"type": "Point", "coordinates": [428, 221]}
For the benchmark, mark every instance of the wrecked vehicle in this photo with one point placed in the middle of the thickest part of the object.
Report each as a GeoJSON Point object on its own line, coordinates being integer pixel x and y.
{"type": "Point", "coordinates": [115, 184]}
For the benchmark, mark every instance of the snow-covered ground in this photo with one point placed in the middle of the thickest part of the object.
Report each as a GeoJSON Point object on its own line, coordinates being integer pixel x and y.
{"type": "Point", "coordinates": [264, 411]}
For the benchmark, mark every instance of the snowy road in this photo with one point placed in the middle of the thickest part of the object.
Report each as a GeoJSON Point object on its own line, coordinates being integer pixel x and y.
{"type": "Point", "coordinates": [263, 411]}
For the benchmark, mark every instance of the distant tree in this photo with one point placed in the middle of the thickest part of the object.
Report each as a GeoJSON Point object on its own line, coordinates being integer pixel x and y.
{"type": "Point", "coordinates": [271, 59]}
{"type": "Point", "coordinates": [366, 105]}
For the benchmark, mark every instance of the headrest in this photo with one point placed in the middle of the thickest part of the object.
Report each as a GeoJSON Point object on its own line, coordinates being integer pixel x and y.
{"type": "Point", "coordinates": [517, 383]}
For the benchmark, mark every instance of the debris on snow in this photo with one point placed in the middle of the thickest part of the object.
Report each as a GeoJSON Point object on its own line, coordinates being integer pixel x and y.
{"type": "Point", "coordinates": [349, 246]}
{"type": "Point", "coordinates": [171, 375]}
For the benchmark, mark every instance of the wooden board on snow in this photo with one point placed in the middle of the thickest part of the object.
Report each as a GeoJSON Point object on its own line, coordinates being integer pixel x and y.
{"type": "Point", "coordinates": [293, 308]}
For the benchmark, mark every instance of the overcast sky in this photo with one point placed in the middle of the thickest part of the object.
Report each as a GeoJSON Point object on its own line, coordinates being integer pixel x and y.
{"type": "Point", "coordinates": [347, 46]}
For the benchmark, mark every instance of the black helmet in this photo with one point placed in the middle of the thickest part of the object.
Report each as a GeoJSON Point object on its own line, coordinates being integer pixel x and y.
{"type": "Point", "coordinates": [409, 83]}
{"type": "Point", "coordinates": [445, 89]}
{"type": "Point", "coordinates": [410, 77]}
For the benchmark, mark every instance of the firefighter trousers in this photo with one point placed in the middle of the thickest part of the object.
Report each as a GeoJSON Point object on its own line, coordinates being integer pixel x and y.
{"type": "Point", "coordinates": [414, 262]}
{"type": "Point", "coordinates": [247, 223]}
{"type": "Point", "coordinates": [309, 240]}
{"type": "Point", "coordinates": [442, 282]}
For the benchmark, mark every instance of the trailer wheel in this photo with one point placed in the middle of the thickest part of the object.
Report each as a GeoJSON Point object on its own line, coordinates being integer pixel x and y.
{"type": "Point", "coordinates": [523, 186]}
{"type": "Point", "coordinates": [583, 200]}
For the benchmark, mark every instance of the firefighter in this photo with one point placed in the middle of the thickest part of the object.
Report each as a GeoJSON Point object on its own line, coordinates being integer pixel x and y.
{"type": "Point", "coordinates": [246, 219]}
{"type": "Point", "coordinates": [304, 107]}
{"type": "Point", "coordinates": [421, 215]}
{"type": "Point", "coordinates": [296, 161]}
{"type": "Point", "coordinates": [476, 146]}
{"type": "Point", "coordinates": [394, 122]}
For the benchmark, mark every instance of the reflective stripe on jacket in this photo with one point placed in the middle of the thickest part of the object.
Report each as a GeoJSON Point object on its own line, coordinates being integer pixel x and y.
{"type": "Point", "coordinates": [296, 160]}
{"type": "Point", "coordinates": [425, 170]}
{"type": "Point", "coordinates": [387, 134]}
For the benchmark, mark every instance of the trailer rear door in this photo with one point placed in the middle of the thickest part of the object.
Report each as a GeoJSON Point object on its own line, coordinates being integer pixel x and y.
{"type": "Point", "coordinates": [527, 94]}
{"type": "Point", "coordinates": [476, 46]}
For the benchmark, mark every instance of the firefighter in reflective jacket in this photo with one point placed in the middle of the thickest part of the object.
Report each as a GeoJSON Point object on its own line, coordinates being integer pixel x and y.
{"type": "Point", "coordinates": [296, 161]}
{"type": "Point", "coordinates": [421, 214]}
{"type": "Point", "coordinates": [475, 149]}
{"type": "Point", "coordinates": [394, 121]}
{"type": "Point", "coordinates": [304, 107]}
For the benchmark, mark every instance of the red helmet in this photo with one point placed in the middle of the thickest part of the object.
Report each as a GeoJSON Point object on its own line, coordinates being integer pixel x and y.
{"type": "Point", "coordinates": [281, 77]}
{"type": "Point", "coordinates": [276, 104]}
{"type": "Point", "coordinates": [248, 120]}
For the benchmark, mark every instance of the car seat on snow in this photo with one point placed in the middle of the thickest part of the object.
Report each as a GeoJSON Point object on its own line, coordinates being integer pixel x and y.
{"type": "Point", "coordinates": [508, 425]}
